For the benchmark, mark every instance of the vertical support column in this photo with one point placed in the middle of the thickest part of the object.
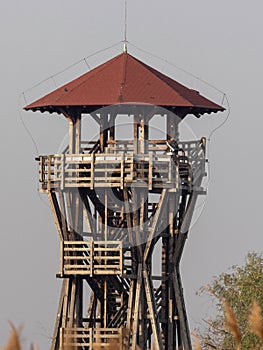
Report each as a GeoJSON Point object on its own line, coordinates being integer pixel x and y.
{"type": "Point", "coordinates": [71, 135]}
{"type": "Point", "coordinates": [112, 121]}
{"type": "Point", "coordinates": [79, 301]}
{"type": "Point", "coordinates": [77, 127]}
{"type": "Point", "coordinates": [172, 129]}
{"type": "Point", "coordinates": [142, 133]}
{"type": "Point", "coordinates": [102, 127]}
{"type": "Point", "coordinates": [170, 302]}
{"type": "Point", "coordinates": [146, 135]}
{"type": "Point", "coordinates": [165, 291]}
{"type": "Point", "coordinates": [135, 134]}
{"type": "Point", "coordinates": [141, 136]}
{"type": "Point", "coordinates": [105, 303]}
{"type": "Point", "coordinates": [143, 214]}
{"type": "Point", "coordinates": [106, 216]}
{"type": "Point", "coordinates": [104, 130]}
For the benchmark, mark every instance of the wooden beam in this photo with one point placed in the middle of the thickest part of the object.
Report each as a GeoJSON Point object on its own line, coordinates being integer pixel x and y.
{"type": "Point", "coordinates": [152, 311]}
{"type": "Point", "coordinates": [77, 126]}
{"type": "Point", "coordinates": [56, 212]}
{"type": "Point", "coordinates": [183, 231]}
{"type": "Point", "coordinates": [68, 201]}
{"type": "Point", "coordinates": [180, 305]}
{"type": "Point", "coordinates": [67, 289]}
{"type": "Point", "coordinates": [87, 210]}
{"type": "Point", "coordinates": [63, 215]}
{"type": "Point", "coordinates": [59, 319]}
{"type": "Point", "coordinates": [96, 117]}
{"type": "Point", "coordinates": [135, 322]}
{"type": "Point", "coordinates": [155, 223]}
{"type": "Point", "coordinates": [130, 312]}
{"type": "Point", "coordinates": [71, 305]}
{"type": "Point", "coordinates": [136, 222]}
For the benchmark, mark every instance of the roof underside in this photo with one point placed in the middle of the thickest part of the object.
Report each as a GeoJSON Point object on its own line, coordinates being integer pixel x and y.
{"type": "Point", "coordinates": [124, 79]}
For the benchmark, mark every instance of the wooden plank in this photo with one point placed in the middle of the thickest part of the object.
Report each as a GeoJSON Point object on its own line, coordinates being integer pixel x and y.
{"type": "Point", "coordinates": [77, 126]}
{"type": "Point", "coordinates": [184, 328]}
{"type": "Point", "coordinates": [62, 180]}
{"type": "Point", "coordinates": [92, 172]}
{"type": "Point", "coordinates": [130, 305]}
{"type": "Point", "coordinates": [136, 308]}
{"type": "Point", "coordinates": [61, 340]}
{"type": "Point", "coordinates": [81, 243]}
{"type": "Point", "coordinates": [68, 203]}
{"type": "Point", "coordinates": [71, 135]}
{"type": "Point", "coordinates": [185, 225]}
{"type": "Point", "coordinates": [136, 222]}
{"type": "Point", "coordinates": [87, 211]}
{"type": "Point", "coordinates": [49, 172]}
{"type": "Point", "coordinates": [72, 302]}
{"type": "Point", "coordinates": [56, 213]}
{"type": "Point", "coordinates": [56, 339]}
{"type": "Point", "coordinates": [150, 177]}
{"type": "Point", "coordinates": [154, 225]}
{"type": "Point", "coordinates": [61, 259]}
{"type": "Point", "coordinates": [65, 293]}
{"type": "Point", "coordinates": [83, 258]}
{"type": "Point", "coordinates": [122, 172]}
{"type": "Point", "coordinates": [63, 215]}
{"type": "Point", "coordinates": [152, 311]}
{"type": "Point", "coordinates": [77, 249]}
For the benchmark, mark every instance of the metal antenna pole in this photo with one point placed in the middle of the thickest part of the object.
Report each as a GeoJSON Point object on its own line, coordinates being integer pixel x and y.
{"type": "Point", "coordinates": [125, 27]}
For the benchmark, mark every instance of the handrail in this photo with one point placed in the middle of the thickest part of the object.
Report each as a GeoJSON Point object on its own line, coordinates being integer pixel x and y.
{"type": "Point", "coordinates": [106, 170]}
{"type": "Point", "coordinates": [154, 170]}
{"type": "Point", "coordinates": [91, 257]}
{"type": "Point", "coordinates": [78, 337]}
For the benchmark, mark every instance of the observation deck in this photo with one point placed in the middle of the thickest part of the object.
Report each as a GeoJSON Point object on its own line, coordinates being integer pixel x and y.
{"type": "Point", "coordinates": [119, 167]}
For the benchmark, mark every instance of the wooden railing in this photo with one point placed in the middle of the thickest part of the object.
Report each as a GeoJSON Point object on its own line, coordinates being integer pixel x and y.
{"type": "Point", "coordinates": [85, 338]}
{"type": "Point", "coordinates": [154, 170]}
{"type": "Point", "coordinates": [91, 258]}
{"type": "Point", "coordinates": [105, 170]}
{"type": "Point", "coordinates": [152, 146]}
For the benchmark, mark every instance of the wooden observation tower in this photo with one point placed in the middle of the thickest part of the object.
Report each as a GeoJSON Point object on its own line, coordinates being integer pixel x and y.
{"type": "Point", "coordinates": [114, 201]}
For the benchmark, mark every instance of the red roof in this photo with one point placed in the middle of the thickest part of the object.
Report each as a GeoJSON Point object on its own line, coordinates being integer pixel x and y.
{"type": "Point", "coordinates": [124, 79]}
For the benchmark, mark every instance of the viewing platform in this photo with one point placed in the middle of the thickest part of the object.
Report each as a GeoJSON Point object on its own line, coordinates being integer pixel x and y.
{"type": "Point", "coordinates": [118, 166]}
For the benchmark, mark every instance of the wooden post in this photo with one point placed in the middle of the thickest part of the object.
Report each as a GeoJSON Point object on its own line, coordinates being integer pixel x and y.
{"type": "Point", "coordinates": [141, 136]}
{"type": "Point", "coordinates": [62, 259]}
{"type": "Point", "coordinates": [172, 126]}
{"type": "Point", "coordinates": [112, 120]}
{"type": "Point", "coordinates": [62, 180]}
{"type": "Point", "coordinates": [71, 137]}
{"type": "Point", "coordinates": [150, 178]}
{"type": "Point", "coordinates": [92, 169]}
{"type": "Point", "coordinates": [136, 308]}
{"type": "Point", "coordinates": [77, 126]}
{"type": "Point", "coordinates": [135, 134]}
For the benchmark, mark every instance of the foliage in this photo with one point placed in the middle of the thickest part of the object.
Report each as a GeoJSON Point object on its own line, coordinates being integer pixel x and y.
{"type": "Point", "coordinates": [234, 293]}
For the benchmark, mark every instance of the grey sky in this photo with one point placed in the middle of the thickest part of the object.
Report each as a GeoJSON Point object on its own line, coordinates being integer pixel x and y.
{"type": "Point", "coordinates": [219, 42]}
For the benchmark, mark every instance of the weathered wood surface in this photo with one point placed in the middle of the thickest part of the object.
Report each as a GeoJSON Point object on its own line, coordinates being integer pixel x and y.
{"type": "Point", "coordinates": [156, 171]}
{"type": "Point", "coordinates": [109, 194]}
